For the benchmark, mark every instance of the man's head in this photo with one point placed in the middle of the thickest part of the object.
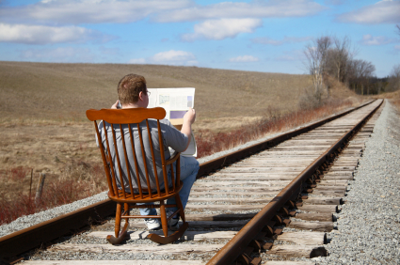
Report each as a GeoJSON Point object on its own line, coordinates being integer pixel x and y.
{"type": "Point", "coordinates": [129, 88]}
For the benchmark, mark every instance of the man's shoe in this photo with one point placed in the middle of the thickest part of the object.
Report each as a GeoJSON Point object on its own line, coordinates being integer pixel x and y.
{"type": "Point", "coordinates": [152, 224]}
{"type": "Point", "coordinates": [173, 223]}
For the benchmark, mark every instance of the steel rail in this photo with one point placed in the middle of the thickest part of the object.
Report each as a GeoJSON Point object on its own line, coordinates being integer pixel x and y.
{"type": "Point", "coordinates": [42, 234]}
{"type": "Point", "coordinates": [237, 245]}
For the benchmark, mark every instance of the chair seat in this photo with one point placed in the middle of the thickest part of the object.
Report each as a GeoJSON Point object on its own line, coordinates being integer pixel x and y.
{"type": "Point", "coordinates": [135, 197]}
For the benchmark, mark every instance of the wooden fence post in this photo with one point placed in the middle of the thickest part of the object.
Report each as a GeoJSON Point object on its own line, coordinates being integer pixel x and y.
{"type": "Point", "coordinates": [39, 188]}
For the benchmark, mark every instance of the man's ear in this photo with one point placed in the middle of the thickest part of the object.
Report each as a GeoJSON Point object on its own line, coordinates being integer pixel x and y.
{"type": "Point", "coordinates": [140, 96]}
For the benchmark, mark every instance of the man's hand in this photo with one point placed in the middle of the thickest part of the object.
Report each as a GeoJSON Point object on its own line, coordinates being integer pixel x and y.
{"type": "Point", "coordinates": [188, 119]}
{"type": "Point", "coordinates": [190, 116]}
{"type": "Point", "coordinates": [114, 106]}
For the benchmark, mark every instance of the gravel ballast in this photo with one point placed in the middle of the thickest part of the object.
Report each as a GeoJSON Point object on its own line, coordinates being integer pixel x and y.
{"type": "Point", "coordinates": [369, 222]}
{"type": "Point", "coordinates": [43, 216]}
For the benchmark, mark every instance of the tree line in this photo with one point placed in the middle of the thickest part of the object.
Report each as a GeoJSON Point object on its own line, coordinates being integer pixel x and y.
{"type": "Point", "coordinates": [330, 57]}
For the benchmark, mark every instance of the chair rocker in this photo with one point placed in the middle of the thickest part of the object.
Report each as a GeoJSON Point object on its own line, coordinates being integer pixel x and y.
{"type": "Point", "coordinates": [131, 169]}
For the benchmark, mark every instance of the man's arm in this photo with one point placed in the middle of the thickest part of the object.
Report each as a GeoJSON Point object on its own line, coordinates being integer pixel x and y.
{"type": "Point", "coordinates": [188, 120]}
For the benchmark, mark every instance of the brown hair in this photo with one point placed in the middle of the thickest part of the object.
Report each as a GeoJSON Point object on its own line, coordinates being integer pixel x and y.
{"type": "Point", "coordinates": [129, 88]}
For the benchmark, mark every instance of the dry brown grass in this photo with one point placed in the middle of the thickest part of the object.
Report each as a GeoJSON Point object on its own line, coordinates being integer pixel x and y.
{"type": "Point", "coordinates": [17, 196]}
{"type": "Point", "coordinates": [394, 98]}
{"type": "Point", "coordinates": [339, 90]}
{"type": "Point", "coordinates": [44, 127]}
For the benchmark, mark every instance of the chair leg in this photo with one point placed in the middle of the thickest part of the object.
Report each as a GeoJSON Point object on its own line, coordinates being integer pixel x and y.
{"type": "Point", "coordinates": [164, 222]}
{"type": "Point", "coordinates": [180, 207]}
{"type": "Point", "coordinates": [118, 219]}
{"type": "Point", "coordinates": [127, 211]}
{"type": "Point", "coordinates": [119, 237]}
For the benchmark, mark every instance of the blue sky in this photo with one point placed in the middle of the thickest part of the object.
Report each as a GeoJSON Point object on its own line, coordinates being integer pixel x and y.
{"type": "Point", "coordinates": [259, 35]}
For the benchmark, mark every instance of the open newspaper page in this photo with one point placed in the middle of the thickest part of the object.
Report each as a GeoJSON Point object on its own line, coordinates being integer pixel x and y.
{"type": "Point", "coordinates": [176, 102]}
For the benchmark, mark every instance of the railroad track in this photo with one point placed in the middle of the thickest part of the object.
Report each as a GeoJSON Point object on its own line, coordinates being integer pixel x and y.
{"type": "Point", "coordinates": [274, 205]}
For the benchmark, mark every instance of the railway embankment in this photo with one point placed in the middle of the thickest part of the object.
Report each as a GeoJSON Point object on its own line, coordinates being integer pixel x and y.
{"type": "Point", "coordinates": [368, 225]}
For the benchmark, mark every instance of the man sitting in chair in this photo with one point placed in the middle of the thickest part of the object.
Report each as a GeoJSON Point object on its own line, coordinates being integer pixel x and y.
{"type": "Point", "coordinates": [132, 93]}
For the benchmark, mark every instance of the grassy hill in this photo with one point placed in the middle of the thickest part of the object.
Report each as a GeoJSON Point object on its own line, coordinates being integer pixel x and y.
{"type": "Point", "coordinates": [31, 92]}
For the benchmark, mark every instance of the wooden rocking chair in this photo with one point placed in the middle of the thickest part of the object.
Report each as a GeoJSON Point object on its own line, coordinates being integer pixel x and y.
{"type": "Point", "coordinates": [137, 181]}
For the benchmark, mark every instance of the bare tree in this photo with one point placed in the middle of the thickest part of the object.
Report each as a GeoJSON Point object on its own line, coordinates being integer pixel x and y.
{"type": "Point", "coordinates": [362, 72]}
{"type": "Point", "coordinates": [352, 73]}
{"type": "Point", "coordinates": [339, 57]}
{"type": "Point", "coordinates": [368, 72]}
{"type": "Point", "coordinates": [316, 55]}
{"type": "Point", "coordinates": [394, 80]}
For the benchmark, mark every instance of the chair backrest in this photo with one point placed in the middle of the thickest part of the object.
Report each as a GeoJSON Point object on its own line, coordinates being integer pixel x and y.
{"type": "Point", "coordinates": [134, 156]}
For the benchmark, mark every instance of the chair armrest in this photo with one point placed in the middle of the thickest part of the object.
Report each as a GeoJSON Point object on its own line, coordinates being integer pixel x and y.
{"type": "Point", "coordinates": [173, 158]}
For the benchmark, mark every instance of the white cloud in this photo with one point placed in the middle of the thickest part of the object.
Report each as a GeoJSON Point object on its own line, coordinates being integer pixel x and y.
{"type": "Point", "coordinates": [174, 57]}
{"type": "Point", "coordinates": [62, 54]}
{"type": "Point", "coordinates": [244, 58]}
{"type": "Point", "coordinates": [386, 11]}
{"type": "Point", "coordinates": [222, 28]}
{"type": "Point", "coordinates": [125, 11]}
{"type": "Point", "coordinates": [379, 40]}
{"type": "Point", "coordinates": [397, 47]}
{"type": "Point", "coordinates": [171, 57]}
{"type": "Point", "coordinates": [34, 34]}
{"type": "Point", "coordinates": [285, 40]}
{"type": "Point", "coordinates": [89, 11]}
{"type": "Point", "coordinates": [255, 9]}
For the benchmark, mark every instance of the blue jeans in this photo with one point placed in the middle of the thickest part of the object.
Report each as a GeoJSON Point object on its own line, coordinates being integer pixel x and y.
{"type": "Point", "coordinates": [189, 169]}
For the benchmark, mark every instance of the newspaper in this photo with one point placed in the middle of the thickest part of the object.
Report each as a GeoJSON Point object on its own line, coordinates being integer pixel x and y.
{"type": "Point", "coordinates": [176, 102]}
